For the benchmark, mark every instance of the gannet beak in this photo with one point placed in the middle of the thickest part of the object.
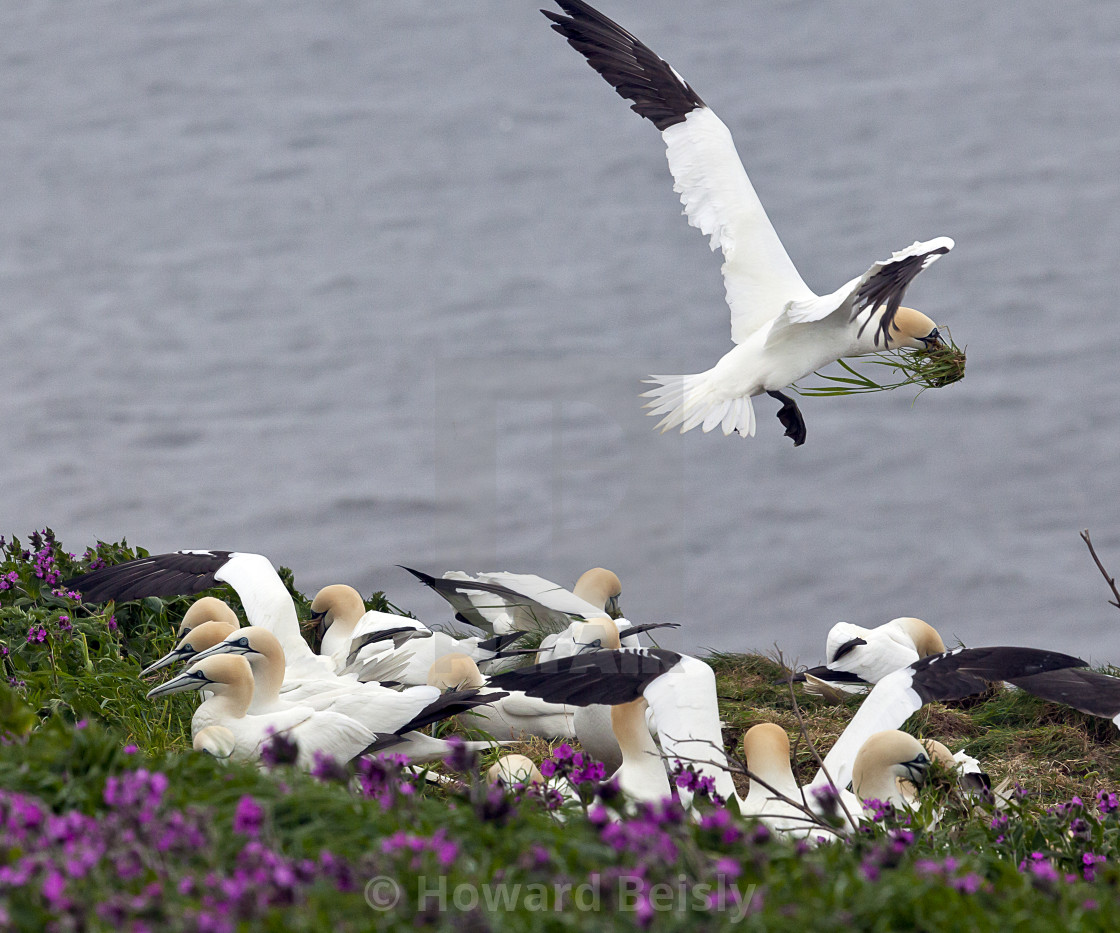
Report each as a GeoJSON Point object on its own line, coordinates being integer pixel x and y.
{"type": "Point", "coordinates": [177, 654]}
{"type": "Point", "coordinates": [317, 619]}
{"type": "Point", "coordinates": [611, 608]}
{"type": "Point", "coordinates": [932, 339]}
{"type": "Point", "coordinates": [191, 680]}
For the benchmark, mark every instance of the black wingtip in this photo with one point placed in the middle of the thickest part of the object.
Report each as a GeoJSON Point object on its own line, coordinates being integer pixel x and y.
{"type": "Point", "coordinates": [628, 65]}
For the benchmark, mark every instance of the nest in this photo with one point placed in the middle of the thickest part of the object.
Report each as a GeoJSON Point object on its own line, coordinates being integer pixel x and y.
{"type": "Point", "coordinates": [931, 368]}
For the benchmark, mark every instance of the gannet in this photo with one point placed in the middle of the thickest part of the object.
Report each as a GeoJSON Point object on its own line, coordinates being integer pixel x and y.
{"type": "Point", "coordinates": [207, 609]}
{"type": "Point", "coordinates": [512, 770]}
{"type": "Point", "coordinates": [857, 658]}
{"type": "Point", "coordinates": [381, 710]}
{"type": "Point", "coordinates": [197, 638]}
{"type": "Point", "coordinates": [352, 635]}
{"type": "Point", "coordinates": [510, 717]}
{"type": "Point", "coordinates": [953, 675]}
{"type": "Point", "coordinates": [641, 775]}
{"type": "Point", "coordinates": [215, 741]}
{"type": "Point", "coordinates": [231, 681]}
{"type": "Point", "coordinates": [263, 596]}
{"type": "Point", "coordinates": [680, 690]}
{"type": "Point", "coordinates": [501, 602]}
{"type": "Point", "coordinates": [783, 331]}
{"type": "Point", "coordinates": [883, 759]}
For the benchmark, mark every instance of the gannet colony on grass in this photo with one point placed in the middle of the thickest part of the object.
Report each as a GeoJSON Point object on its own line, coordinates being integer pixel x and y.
{"type": "Point", "coordinates": [783, 331]}
{"type": "Point", "coordinates": [644, 710]}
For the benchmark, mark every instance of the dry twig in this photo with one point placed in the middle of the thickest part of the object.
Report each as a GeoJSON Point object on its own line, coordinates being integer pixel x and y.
{"type": "Point", "coordinates": [1110, 580]}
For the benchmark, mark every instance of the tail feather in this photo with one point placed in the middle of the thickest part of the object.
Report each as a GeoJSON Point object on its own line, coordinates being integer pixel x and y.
{"type": "Point", "coordinates": [689, 401]}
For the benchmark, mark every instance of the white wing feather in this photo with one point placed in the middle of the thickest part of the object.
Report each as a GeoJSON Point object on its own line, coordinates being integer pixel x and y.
{"type": "Point", "coordinates": [720, 200]}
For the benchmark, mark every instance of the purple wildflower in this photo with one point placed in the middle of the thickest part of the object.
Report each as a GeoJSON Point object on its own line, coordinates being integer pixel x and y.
{"type": "Point", "coordinates": [279, 750]}
{"type": "Point", "coordinates": [248, 817]}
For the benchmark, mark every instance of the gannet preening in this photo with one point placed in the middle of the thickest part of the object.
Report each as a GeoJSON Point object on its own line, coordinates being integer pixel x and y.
{"type": "Point", "coordinates": [680, 690]}
{"type": "Point", "coordinates": [352, 635]}
{"type": "Point", "coordinates": [231, 681]}
{"type": "Point", "coordinates": [215, 741]}
{"type": "Point", "coordinates": [207, 609]}
{"type": "Point", "coordinates": [783, 331]}
{"type": "Point", "coordinates": [856, 658]}
{"type": "Point", "coordinates": [501, 603]}
{"type": "Point", "coordinates": [511, 716]}
{"type": "Point", "coordinates": [381, 710]}
{"type": "Point", "coordinates": [953, 675]}
{"type": "Point", "coordinates": [263, 596]}
{"type": "Point", "coordinates": [970, 776]}
{"type": "Point", "coordinates": [197, 638]}
{"type": "Point", "coordinates": [885, 758]}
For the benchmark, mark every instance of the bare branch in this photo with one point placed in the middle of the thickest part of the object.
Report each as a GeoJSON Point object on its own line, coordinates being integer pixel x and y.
{"type": "Point", "coordinates": [816, 754]}
{"type": "Point", "coordinates": [1110, 580]}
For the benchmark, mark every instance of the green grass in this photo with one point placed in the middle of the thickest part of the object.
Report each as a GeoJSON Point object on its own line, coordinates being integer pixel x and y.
{"type": "Point", "coordinates": [77, 716]}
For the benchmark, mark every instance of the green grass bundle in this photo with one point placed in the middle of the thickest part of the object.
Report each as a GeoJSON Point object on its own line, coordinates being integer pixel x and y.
{"type": "Point", "coordinates": [930, 368]}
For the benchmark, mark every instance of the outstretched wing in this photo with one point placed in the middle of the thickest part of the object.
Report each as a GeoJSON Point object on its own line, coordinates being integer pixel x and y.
{"type": "Point", "coordinates": [881, 286]}
{"type": "Point", "coordinates": [180, 573]}
{"type": "Point", "coordinates": [717, 195]}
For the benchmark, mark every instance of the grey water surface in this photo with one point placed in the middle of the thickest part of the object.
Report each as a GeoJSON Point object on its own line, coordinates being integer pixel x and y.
{"type": "Point", "coordinates": [358, 284]}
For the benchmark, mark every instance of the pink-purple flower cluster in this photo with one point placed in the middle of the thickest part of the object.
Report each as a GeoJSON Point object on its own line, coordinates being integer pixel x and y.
{"type": "Point", "coordinates": [577, 767]}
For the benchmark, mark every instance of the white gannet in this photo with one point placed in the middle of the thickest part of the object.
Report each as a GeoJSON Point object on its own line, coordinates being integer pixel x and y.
{"type": "Point", "coordinates": [231, 681]}
{"type": "Point", "coordinates": [953, 675]}
{"type": "Point", "coordinates": [381, 710]}
{"type": "Point", "coordinates": [263, 595]}
{"type": "Point", "coordinates": [857, 658]}
{"type": "Point", "coordinates": [501, 602]}
{"type": "Point", "coordinates": [351, 635]}
{"type": "Point", "coordinates": [510, 717]}
{"type": "Point", "coordinates": [197, 638]}
{"type": "Point", "coordinates": [680, 691]}
{"type": "Point", "coordinates": [783, 331]}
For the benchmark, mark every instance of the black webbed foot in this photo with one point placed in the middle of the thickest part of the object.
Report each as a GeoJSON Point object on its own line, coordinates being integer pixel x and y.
{"type": "Point", "coordinates": [790, 417]}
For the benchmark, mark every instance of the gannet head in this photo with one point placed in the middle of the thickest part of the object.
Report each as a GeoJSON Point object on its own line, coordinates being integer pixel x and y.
{"type": "Point", "coordinates": [596, 634]}
{"type": "Point", "coordinates": [454, 671]}
{"type": "Point", "coordinates": [913, 330]}
{"type": "Point", "coordinates": [600, 587]}
{"type": "Point", "coordinates": [927, 640]}
{"type": "Point", "coordinates": [884, 758]}
{"type": "Point", "coordinates": [514, 769]}
{"type": "Point", "coordinates": [336, 603]}
{"type": "Point", "coordinates": [197, 639]}
{"type": "Point", "coordinates": [216, 741]}
{"type": "Point", "coordinates": [207, 609]}
{"type": "Point", "coordinates": [217, 673]}
{"type": "Point", "coordinates": [766, 750]}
